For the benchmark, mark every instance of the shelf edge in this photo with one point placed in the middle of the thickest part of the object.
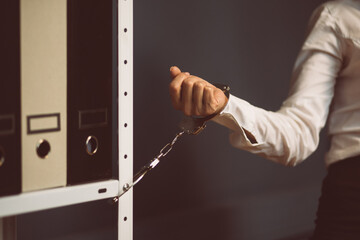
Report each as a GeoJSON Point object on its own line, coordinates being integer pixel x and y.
{"type": "Point", "coordinates": [57, 197]}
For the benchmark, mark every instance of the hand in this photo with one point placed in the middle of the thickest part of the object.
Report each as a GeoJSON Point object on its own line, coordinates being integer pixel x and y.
{"type": "Point", "coordinates": [195, 96]}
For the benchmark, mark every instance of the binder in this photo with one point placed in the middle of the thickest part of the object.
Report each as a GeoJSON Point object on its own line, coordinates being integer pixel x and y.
{"type": "Point", "coordinates": [10, 144]}
{"type": "Point", "coordinates": [43, 93]}
{"type": "Point", "coordinates": [90, 84]}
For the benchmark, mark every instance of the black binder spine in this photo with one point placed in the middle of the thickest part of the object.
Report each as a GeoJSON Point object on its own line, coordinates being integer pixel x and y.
{"type": "Point", "coordinates": [10, 133]}
{"type": "Point", "coordinates": [90, 90]}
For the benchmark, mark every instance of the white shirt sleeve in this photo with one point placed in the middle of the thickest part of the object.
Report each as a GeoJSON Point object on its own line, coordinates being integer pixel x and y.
{"type": "Point", "coordinates": [291, 134]}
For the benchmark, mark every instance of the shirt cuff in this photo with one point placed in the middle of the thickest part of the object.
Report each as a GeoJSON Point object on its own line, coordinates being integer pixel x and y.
{"type": "Point", "coordinates": [238, 115]}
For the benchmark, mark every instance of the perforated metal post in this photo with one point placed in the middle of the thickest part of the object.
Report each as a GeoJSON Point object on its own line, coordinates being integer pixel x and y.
{"type": "Point", "coordinates": [125, 61]}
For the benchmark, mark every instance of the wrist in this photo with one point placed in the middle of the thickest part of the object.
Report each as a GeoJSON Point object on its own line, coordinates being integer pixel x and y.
{"type": "Point", "coordinates": [226, 90]}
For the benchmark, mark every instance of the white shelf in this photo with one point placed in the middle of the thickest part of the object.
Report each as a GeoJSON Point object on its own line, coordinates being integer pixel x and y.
{"type": "Point", "coordinates": [57, 197]}
{"type": "Point", "coordinates": [65, 196]}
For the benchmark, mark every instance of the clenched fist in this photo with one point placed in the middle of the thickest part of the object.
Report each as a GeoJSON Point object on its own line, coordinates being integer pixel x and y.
{"type": "Point", "coordinates": [195, 96]}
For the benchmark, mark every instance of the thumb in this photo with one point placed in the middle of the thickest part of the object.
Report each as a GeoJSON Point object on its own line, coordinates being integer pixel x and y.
{"type": "Point", "coordinates": [174, 71]}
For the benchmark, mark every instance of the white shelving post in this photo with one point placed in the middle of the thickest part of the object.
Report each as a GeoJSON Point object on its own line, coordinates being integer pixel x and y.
{"type": "Point", "coordinates": [125, 60]}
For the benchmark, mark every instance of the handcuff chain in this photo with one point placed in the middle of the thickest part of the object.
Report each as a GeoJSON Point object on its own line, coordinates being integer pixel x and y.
{"type": "Point", "coordinates": [163, 152]}
{"type": "Point", "coordinates": [168, 147]}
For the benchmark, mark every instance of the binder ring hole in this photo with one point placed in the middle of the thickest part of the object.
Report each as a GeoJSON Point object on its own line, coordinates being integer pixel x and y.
{"type": "Point", "coordinates": [92, 145]}
{"type": "Point", "coordinates": [43, 148]}
{"type": "Point", "coordinates": [125, 125]}
{"type": "Point", "coordinates": [125, 61]}
{"type": "Point", "coordinates": [2, 156]}
{"type": "Point", "coordinates": [125, 219]}
{"type": "Point", "coordinates": [125, 156]}
{"type": "Point", "coordinates": [125, 29]}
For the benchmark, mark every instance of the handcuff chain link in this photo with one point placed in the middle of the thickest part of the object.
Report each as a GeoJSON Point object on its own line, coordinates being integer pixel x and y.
{"type": "Point", "coordinates": [168, 147]}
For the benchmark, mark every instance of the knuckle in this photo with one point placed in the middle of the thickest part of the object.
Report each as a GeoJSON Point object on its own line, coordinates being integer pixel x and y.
{"type": "Point", "coordinates": [199, 85]}
{"type": "Point", "coordinates": [187, 83]}
{"type": "Point", "coordinates": [173, 89]}
{"type": "Point", "coordinates": [183, 75]}
{"type": "Point", "coordinates": [208, 89]}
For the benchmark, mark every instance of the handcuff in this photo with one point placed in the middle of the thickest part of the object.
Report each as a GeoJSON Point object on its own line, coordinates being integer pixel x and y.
{"type": "Point", "coordinates": [188, 125]}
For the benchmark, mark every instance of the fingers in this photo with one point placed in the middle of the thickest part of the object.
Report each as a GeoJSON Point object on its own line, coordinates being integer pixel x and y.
{"type": "Point", "coordinates": [195, 96]}
{"type": "Point", "coordinates": [175, 90]}
{"type": "Point", "coordinates": [209, 101]}
{"type": "Point", "coordinates": [174, 71]}
{"type": "Point", "coordinates": [198, 95]}
{"type": "Point", "coordinates": [187, 96]}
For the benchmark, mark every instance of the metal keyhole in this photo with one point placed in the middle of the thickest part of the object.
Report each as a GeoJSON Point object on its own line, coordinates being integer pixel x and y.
{"type": "Point", "coordinates": [92, 145]}
{"type": "Point", "coordinates": [43, 148]}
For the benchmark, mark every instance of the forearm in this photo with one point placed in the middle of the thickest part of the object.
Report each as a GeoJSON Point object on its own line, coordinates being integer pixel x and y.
{"type": "Point", "coordinates": [287, 136]}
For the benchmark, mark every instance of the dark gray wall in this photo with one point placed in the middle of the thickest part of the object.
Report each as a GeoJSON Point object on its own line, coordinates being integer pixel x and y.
{"type": "Point", "coordinates": [205, 189]}
{"type": "Point", "coordinates": [88, 221]}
